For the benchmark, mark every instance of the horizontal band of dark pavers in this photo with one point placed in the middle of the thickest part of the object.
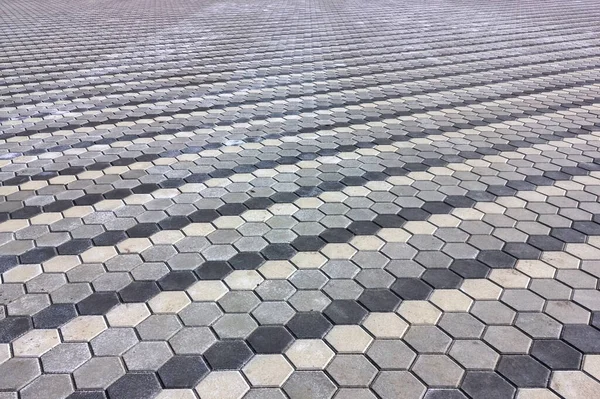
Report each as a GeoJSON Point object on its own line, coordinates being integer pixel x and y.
{"type": "Point", "coordinates": [356, 33]}
{"type": "Point", "coordinates": [304, 191]}
{"type": "Point", "coordinates": [254, 49]}
{"type": "Point", "coordinates": [387, 46]}
{"type": "Point", "coordinates": [565, 353]}
{"type": "Point", "coordinates": [138, 101]}
{"type": "Point", "coordinates": [192, 149]}
{"type": "Point", "coordinates": [505, 258]}
{"type": "Point", "coordinates": [154, 132]}
{"type": "Point", "coordinates": [408, 109]}
{"type": "Point", "coordinates": [212, 105]}
{"type": "Point", "coordinates": [145, 188]}
{"type": "Point", "coordinates": [371, 73]}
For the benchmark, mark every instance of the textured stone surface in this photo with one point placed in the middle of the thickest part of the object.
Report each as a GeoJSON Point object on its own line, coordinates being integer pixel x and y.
{"type": "Point", "coordinates": [299, 199]}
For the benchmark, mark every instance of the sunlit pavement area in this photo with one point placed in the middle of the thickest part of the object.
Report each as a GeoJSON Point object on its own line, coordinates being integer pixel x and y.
{"type": "Point", "coordinates": [302, 199]}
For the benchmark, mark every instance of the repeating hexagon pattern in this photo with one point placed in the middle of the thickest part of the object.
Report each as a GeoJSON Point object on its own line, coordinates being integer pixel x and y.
{"type": "Point", "coordinates": [299, 199]}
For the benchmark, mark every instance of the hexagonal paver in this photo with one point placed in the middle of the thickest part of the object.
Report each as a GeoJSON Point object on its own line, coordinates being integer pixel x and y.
{"type": "Point", "coordinates": [222, 384]}
{"type": "Point", "coordinates": [169, 302]}
{"type": "Point", "coordinates": [309, 354]}
{"type": "Point", "coordinates": [437, 370]}
{"type": "Point", "coordinates": [127, 315]}
{"type": "Point", "coordinates": [385, 325]}
{"type": "Point", "coordinates": [267, 370]}
{"type": "Point", "coordinates": [270, 339]}
{"type": "Point", "coordinates": [148, 355]}
{"type": "Point", "coordinates": [314, 384]}
{"type": "Point", "coordinates": [524, 371]}
{"type": "Point", "coordinates": [52, 385]}
{"type": "Point", "coordinates": [419, 312]}
{"type": "Point", "coordinates": [114, 342]}
{"type": "Point", "coordinates": [234, 325]}
{"type": "Point", "coordinates": [556, 354]}
{"type": "Point", "coordinates": [195, 314]}
{"type": "Point", "coordinates": [427, 339]}
{"type": "Point", "coordinates": [228, 355]}
{"type": "Point", "coordinates": [66, 357]}
{"type": "Point", "coordinates": [573, 383]}
{"type": "Point", "coordinates": [35, 343]}
{"type": "Point", "coordinates": [159, 327]}
{"type": "Point", "coordinates": [474, 354]}
{"type": "Point", "coordinates": [507, 339]}
{"type": "Point", "coordinates": [351, 370]}
{"type": "Point", "coordinates": [98, 373]}
{"type": "Point", "coordinates": [192, 340]}
{"type": "Point", "coordinates": [391, 354]}
{"type": "Point", "coordinates": [486, 383]}
{"type": "Point", "coordinates": [83, 328]}
{"type": "Point", "coordinates": [15, 373]}
{"type": "Point", "coordinates": [348, 339]}
{"type": "Point", "coordinates": [135, 385]}
{"type": "Point", "coordinates": [183, 371]}
{"type": "Point", "coordinates": [309, 325]}
{"type": "Point", "coordinates": [398, 385]}
{"type": "Point", "coordinates": [461, 325]}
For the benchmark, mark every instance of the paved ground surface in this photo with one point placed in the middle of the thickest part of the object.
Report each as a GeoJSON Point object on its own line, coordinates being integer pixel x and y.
{"type": "Point", "coordinates": [299, 199]}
